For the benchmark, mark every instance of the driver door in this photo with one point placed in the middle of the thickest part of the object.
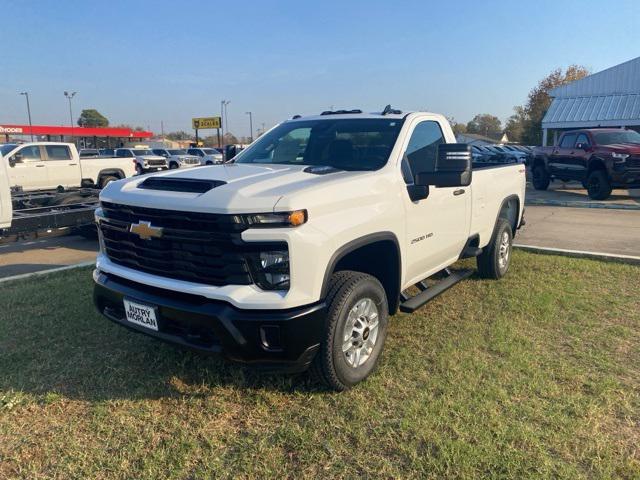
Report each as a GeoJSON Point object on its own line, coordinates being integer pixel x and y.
{"type": "Point", "coordinates": [437, 227]}
{"type": "Point", "coordinates": [29, 171]}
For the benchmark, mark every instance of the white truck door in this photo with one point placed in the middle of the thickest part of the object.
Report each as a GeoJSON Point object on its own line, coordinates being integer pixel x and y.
{"type": "Point", "coordinates": [63, 168]}
{"type": "Point", "coordinates": [6, 211]}
{"type": "Point", "coordinates": [437, 226]}
{"type": "Point", "coordinates": [27, 169]}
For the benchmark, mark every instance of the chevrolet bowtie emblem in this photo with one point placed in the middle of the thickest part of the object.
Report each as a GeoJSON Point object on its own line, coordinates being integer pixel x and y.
{"type": "Point", "coordinates": [145, 231]}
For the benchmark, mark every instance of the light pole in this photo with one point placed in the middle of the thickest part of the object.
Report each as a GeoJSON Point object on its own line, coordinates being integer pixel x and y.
{"type": "Point", "coordinates": [26, 94]}
{"type": "Point", "coordinates": [223, 115]}
{"type": "Point", "coordinates": [250, 126]}
{"type": "Point", "coordinates": [69, 97]}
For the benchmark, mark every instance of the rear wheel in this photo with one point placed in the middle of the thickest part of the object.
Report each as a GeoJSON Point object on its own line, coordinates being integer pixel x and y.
{"type": "Point", "coordinates": [495, 258]}
{"type": "Point", "coordinates": [355, 332]}
{"type": "Point", "coordinates": [540, 178]}
{"type": "Point", "coordinates": [106, 180]}
{"type": "Point", "coordinates": [598, 186]}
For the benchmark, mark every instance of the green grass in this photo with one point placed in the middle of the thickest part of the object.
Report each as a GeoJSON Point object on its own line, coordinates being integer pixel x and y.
{"type": "Point", "coordinates": [537, 375]}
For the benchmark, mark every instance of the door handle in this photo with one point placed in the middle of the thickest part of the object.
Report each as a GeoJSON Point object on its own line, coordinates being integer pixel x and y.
{"type": "Point", "coordinates": [40, 166]}
{"type": "Point", "coordinates": [72, 164]}
{"type": "Point", "coordinates": [460, 191]}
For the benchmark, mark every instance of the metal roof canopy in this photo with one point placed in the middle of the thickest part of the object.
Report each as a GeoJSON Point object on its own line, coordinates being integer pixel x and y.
{"type": "Point", "coordinates": [610, 98]}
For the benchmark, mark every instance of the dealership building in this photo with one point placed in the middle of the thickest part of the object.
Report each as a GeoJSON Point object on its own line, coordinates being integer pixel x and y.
{"type": "Point", "coordinates": [104, 137]}
{"type": "Point", "coordinates": [610, 98]}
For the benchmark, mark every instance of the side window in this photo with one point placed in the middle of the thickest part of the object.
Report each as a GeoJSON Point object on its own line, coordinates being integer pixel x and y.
{"type": "Point", "coordinates": [58, 152]}
{"type": "Point", "coordinates": [31, 153]}
{"type": "Point", "coordinates": [582, 138]}
{"type": "Point", "coordinates": [422, 150]}
{"type": "Point", "coordinates": [568, 141]}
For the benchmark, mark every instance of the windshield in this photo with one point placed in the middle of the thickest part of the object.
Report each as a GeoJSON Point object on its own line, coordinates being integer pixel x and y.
{"type": "Point", "coordinates": [6, 148]}
{"type": "Point", "coordinates": [210, 151]}
{"type": "Point", "coordinates": [346, 144]}
{"type": "Point", "coordinates": [177, 152]}
{"type": "Point", "coordinates": [141, 152]}
{"type": "Point", "coordinates": [611, 138]}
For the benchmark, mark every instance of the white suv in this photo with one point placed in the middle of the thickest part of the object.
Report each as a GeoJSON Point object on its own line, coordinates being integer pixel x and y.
{"type": "Point", "coordinates": [177, 158]}
{"type": "Point", "coordinates": [146, 160]}
{"type": "Point", "coordinates": [208, 156]}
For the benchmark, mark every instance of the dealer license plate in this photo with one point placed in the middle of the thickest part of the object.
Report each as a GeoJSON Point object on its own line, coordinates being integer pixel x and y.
{"type": "Point", "coordinates": [141, 314]}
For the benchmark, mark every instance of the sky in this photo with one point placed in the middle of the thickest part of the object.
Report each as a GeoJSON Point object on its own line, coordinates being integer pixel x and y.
{"type": "Point", "coordinates": [143, 62]}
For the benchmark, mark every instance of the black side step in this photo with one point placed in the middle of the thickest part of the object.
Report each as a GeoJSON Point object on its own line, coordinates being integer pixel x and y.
{"type": "Point", "coordinates": [410, 305]}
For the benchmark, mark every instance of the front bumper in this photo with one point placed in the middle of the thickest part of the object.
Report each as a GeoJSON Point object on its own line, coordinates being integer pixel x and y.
{"type": "Point", "coordinates": [274, 339]}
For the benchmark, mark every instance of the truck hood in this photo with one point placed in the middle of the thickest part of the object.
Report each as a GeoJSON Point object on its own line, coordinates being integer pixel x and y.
{"type": "Point", "coordinates": [247, 188]}
{"type": "Point", "coordinates": [630, 148]}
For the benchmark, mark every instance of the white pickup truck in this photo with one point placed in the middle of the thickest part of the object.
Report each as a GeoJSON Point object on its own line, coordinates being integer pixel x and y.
{"type": "Point", "coordinates": [296, 254]}
{"type": "Point", "coordinates": [52, 165]}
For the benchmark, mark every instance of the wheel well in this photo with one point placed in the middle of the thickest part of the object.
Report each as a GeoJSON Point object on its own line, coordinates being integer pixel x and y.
{"type": "Point", "coordinates": [366, 258]}
{"type": "Point", "coordinates": [510, 211]}
{"type": "Point", "coordinates": [596, 164]}
{"type": "Point", "coordinates": [110, 173]}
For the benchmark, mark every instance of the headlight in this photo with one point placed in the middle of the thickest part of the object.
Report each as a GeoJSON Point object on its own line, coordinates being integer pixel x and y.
{"type": "Point", "coordinates": [280, 219]}
{"type": "Point", "coordinates": [620, 156]}
{"type": "Point", "coordinates": [270, 269]}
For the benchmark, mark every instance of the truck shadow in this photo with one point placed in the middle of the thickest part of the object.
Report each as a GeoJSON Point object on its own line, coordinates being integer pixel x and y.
{"type": "Point", "coordinates": [64, 346]}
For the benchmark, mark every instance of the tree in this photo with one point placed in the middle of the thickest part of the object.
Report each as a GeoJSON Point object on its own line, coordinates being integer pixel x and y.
{"type": "Point", "coordinates": [485, 124]}
{"type": "Point", "coordinates": [457, 128]}
{"type": "Point", "coordinates": [92, 118]}
{"type": "Point", "coordinates": [516, 124]}
{"type": "Point", "coordinates": [181, 135]}
{"type": "Point", "coordinates": [539, 101]}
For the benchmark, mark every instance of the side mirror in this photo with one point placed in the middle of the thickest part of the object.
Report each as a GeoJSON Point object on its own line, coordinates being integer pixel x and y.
{"type": "Point", "coordinates": [230, 151]}
{"type": "Point", "coordinates": [582, 146]}
{"type": "Point", "coordinates": [17, 158]}
{"type": "Point", "coordinates": [452, 168]}
{"type": "Point", "coordinates": [418, 192]}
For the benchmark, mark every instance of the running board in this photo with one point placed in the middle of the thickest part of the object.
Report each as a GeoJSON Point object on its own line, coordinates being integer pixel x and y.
{"type": "Point", "coordinates": [427, 293]}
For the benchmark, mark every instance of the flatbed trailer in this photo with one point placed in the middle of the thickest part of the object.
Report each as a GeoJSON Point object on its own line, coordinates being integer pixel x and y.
{"type": "Point", "coordinates": [45, 211]}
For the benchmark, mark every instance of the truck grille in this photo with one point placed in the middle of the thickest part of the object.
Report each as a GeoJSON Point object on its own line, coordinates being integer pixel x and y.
{"type": "Point", "coordinates": [196, 247]}
{"type": "Point", "coordinates": [633, 162]}
{"type": "Point", "coordinates": [157, 163]}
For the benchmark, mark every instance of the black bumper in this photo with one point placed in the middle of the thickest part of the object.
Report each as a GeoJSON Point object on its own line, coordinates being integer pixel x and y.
{"type": "Point", "coordinates": [274, 339]}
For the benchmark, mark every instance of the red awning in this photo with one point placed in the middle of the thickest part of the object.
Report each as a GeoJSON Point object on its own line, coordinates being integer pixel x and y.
{"type": "Point", "coordinates": [71, 131]}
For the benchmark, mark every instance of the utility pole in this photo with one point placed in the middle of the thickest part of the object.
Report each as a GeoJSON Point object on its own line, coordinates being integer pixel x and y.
{"type": "Point", "coordinates": [162, 129]}
{"type": "Point", "coordinates": [223, 115]}
{"type": "Point", "coordinates": [26, 94]}
{"type": "Point", "coordinates": [250, 127]}
{"type": "Point", "coordinates": [226, 104]}
{"type": "Point", "coordinates": [69, 97]}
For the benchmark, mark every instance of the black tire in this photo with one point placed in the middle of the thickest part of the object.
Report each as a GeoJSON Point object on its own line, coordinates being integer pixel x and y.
{"type": "Point", "coordinates": [540, 177]}
{"type": "Point", "coordinates": [348, 290]}
{"type": "Point", "coordinates": [598, 186]}
{"type": "Point", "coordinates": [495, 258]}
{"type": "Point", "coordinates": [209, 163]}
{"type": "Point", "coordinates": [173, 166]}
{"type": "Point", "coordinates": [138, 169]}
{"type": "Point", "coordinates": [106, 180]}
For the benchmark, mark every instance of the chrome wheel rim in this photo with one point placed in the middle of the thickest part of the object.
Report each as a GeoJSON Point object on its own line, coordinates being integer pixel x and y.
{"type": "Point", "coordinates": [504, 251]}
{"type": "Point", "coordinates": [360, 332]}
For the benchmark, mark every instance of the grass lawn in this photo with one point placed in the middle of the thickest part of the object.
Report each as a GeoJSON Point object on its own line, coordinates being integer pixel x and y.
{"type": "Point", "coordinates": [537, 375]}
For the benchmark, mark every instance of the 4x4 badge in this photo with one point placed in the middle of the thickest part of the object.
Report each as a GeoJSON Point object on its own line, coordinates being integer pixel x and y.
{"type": "Point", "coordinates": [145, 230]}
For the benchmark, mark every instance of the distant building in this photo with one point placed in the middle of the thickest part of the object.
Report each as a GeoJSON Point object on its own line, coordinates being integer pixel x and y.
{"type": "Point", "coordinates": [610, 98]}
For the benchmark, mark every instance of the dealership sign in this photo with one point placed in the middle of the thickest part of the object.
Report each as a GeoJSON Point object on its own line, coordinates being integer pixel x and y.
{"type": "Point", "coordinates": [206, 122]}
{"type": "Point", "coordinates": [10, 129]}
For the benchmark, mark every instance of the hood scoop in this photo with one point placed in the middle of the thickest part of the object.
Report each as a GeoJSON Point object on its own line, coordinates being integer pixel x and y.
{"type": "Point", "coordinates": [187, 185]}
{"type": "Point", "coordinates": [321, 169]}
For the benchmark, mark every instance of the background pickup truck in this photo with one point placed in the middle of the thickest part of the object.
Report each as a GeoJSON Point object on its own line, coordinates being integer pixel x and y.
{"type": "Point", "coordinates": [51, 165]}
{"type": "Point", "coordinates": [144, 159]}
{"type": "Point", "coordinates": [295, 255]}
{"type": "Point", "coordinates": [602, 159]}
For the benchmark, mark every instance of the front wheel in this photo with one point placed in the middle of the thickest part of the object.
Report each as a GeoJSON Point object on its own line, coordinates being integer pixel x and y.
{"type": "Point", "coordinates": [495, 258]}
{"type": "Point", "coordinates": [173, 166]}
{"type": "Point", "coordinates": [356, 328]}
{"type": "Point", "coordinates": [138, 169]}
{"type": "Point", "coordinates": [598, 186]}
